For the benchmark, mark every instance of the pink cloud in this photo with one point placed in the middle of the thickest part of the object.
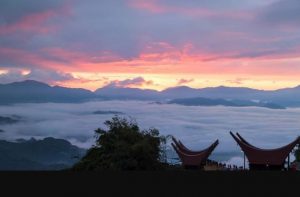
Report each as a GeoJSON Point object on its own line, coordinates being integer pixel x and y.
{"type": "Point", "coordinates": [135, 82]}
{"type": "Point", "coordinates": [237, 81]}
{"type": "Point", "coordinates": [147, 5]}
{"type": "Point", "coordinates": [155, 6]}
{"type": "Point", "coordinates": [79, 56]}
{"type": "Point", "coordinates": [30, 23]}
{"type": "Point", "coordinates": [36, 22]}
{"type": "Point", "coordinates": [159, 58]}
{"type": "Point", "coordinates": [184, 81]}
{"type": "Point", "coordinates": [18, 56]}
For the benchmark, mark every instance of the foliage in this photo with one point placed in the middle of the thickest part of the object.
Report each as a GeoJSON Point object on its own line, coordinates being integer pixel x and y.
{"type": "Point", "coordinates": [123, 146]}
{"type": "Point", "coordinates": [297, 153]}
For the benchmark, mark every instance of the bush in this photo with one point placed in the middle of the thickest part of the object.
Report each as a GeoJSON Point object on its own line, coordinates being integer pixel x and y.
{"type": "Point", "coordinates": [123, 146]}
{"type": "Point", "coordinates": [297, 154]}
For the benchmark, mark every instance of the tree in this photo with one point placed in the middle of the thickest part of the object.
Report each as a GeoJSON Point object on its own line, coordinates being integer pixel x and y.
{"type": "Point", "coordinates": [297, 153]}
{"type": "Point", "coordinates": [123, 146]}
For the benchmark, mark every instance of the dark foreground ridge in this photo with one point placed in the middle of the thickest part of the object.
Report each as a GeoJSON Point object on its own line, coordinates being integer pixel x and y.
{"type": "Point", "coordinates": [150, 183]}
{"type": "Point", "coordinates": [46, 154]}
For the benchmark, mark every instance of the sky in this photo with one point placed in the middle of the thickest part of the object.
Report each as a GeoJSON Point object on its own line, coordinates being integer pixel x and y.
{"type": "Point", "coordinates": [152, 44]}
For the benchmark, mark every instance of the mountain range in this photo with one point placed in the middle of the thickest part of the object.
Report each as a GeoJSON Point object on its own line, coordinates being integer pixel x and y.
{"type": "Point", "coordinates": [9, 119]}
{"type": "Point", "coordinates": [286, 97]}
{"type": "Point", "coordinates": [199, 101]}
{"type": "Point", "coordinates": [31, 91]}
{"type": "Point", "coordinates": [38, 92]}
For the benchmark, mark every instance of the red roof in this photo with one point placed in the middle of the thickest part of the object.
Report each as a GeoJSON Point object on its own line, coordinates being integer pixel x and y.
{"type": "Point", "coordinates": [257, 155]}
{"type": "Point", "coordinates": [192, 158]}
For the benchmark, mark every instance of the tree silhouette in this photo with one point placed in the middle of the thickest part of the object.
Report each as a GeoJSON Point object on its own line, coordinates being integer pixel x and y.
{"type": "Point", "coordinates": [297, 153]}
{"type": "Point", "coordinates": [123, 146]}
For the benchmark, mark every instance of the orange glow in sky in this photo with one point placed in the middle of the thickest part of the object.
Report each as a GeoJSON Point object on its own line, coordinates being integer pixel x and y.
{"type": "Point", "coordinates": [152, 44]}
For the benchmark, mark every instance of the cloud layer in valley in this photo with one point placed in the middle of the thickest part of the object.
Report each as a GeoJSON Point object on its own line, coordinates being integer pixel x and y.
{"type": "Point", "coordinates": [197, 127]}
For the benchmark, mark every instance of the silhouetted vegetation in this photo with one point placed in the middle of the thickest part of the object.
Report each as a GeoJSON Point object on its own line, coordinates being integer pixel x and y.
{"type": "Point", "coordinates": [9, 120]}
{"type": "Point", "coordinates": [38, 154]}
{"type": "Point", "coordinates": [297, 153]}
{"type": "Point", "coordinates": [123, 146]}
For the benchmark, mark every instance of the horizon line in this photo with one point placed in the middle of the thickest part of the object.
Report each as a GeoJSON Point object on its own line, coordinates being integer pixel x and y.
{"type": "Point", "coordinates": [219, 86]}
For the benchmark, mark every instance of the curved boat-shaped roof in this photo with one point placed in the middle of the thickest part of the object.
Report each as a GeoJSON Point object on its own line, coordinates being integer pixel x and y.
{"type": "Point", "coordinates": [257, 155]}
{"type": "Point", "coordinates": [184, 149]}
{"type": "Point", "coordinates": [195, 159]}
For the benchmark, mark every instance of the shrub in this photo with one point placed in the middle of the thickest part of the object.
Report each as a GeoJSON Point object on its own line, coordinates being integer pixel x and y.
{"type": "Point", "coordinates": [123, 146]}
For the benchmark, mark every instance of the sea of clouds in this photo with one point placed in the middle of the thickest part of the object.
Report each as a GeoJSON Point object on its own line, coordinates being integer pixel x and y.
{"type": "Point", "coordinates": [197, 127]}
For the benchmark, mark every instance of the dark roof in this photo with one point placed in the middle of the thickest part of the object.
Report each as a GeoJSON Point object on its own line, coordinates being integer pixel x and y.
{"type": "Point", "coordinates": [257, 155]}
{"type": "Point", "coordinates": [190, 157]}
{"type": "Point", "coordinates": [184, 149]}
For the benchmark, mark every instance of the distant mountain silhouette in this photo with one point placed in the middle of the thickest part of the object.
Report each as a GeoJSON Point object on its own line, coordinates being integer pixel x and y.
{"type": "Point", "coordinates": [110, 92]}
{"type": "Point", "coordinates": [37, 92]}
{"type": "Point", "coordinates": [180, 92]}
{"type": "Point", "coordinates": [213, 92]}
{"type": "Point", "coordinates": [47, 154]}
{"type": "Point", "coordinates": [288, 97]}
{"type": "Point", "coordinates": [101, 112]}
{"type": "Point", "coordinates": [199, 101]}
{"type": "Point", "coordinates": [9, 119]}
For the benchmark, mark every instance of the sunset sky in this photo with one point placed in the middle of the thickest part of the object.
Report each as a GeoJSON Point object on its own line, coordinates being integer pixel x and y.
{"type": "Point", "coordinates": [152, 44]}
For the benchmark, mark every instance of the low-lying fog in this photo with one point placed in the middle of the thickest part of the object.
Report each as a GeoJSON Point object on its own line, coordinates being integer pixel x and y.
{"type": "Point", "coordinates": [196, 127]}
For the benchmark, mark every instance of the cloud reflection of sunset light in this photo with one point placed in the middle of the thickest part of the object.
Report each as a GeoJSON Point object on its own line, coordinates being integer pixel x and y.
{"type": "Point", "coordinates": [160, 44]}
